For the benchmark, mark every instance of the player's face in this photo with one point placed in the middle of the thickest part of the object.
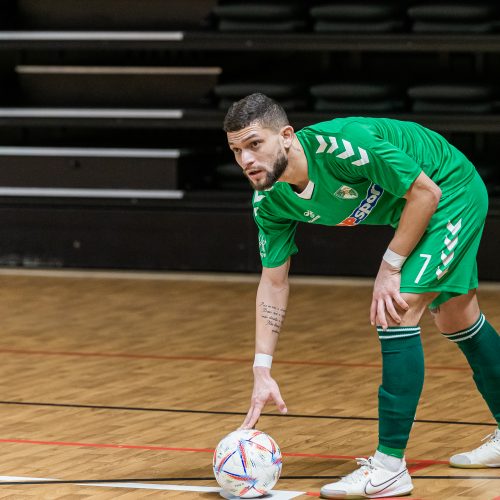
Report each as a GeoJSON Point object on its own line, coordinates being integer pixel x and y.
{"type": "Point", "coordinates": [260, 153]}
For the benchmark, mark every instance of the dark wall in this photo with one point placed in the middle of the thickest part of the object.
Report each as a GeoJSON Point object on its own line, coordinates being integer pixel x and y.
{"type": "Point", "coordinates": [150, 238]}
{"type": "Point", "coordinates": [132, 81]}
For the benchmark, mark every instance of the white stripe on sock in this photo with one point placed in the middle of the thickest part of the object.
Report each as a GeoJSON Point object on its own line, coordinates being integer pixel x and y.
{"type": "Point", "coordinates": [473, 329]}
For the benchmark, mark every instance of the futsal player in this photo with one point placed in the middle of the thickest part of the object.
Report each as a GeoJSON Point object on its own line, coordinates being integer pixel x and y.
{"type": "Point", "coordinates": [351, 171]}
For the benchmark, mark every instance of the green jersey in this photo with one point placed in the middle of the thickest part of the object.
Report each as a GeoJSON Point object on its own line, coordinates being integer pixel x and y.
{"type": "Point", "coordinates": [359, 171]}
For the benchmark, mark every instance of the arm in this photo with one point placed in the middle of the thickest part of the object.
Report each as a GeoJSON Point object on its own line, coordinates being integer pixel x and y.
{"type": "Point", "coordinates": [421, 202]}
{"type": "Point", "coordinates": [271, 303]}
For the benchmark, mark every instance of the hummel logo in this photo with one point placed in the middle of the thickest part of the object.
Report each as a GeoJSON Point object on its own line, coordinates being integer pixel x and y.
{"type": "Point", "coordinates": [258, 197]}
{"type": "Point", "coordinates": [349, 151]}
{"type": "Point", "coordinates": [373, 489]}
{"type": "Point", "coordinates": [312, 215]}
{"type": "Point", "coordinates": [262, 245]}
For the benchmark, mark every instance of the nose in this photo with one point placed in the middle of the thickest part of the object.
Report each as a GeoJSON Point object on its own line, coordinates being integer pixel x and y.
{"type": "Point", "coordinates": [247, 159]}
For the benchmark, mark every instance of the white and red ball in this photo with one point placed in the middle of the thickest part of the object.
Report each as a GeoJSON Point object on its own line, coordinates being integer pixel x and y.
{"type": "Point", "coordinates": [247, 463]}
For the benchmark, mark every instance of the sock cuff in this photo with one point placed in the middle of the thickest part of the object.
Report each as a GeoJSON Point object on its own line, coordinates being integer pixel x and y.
{"type": "Point", "coordinates": [393, 452]}
{"type": "Point", "coordinates": [398, 332]}
{"type": "Point", "coordinates": [468, 332]}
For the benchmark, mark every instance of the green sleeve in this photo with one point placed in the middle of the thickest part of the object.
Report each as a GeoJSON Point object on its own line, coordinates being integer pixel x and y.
{"type": "Point", "coordinates": [376, 159]}
{"type": "Point", "coordinates": [276, 238]}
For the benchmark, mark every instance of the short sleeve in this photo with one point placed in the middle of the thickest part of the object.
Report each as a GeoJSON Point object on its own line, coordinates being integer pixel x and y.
{"type": "Point", "coordinates": [276, 238]}
{"type": "Point", "coordinates": [376, 159]}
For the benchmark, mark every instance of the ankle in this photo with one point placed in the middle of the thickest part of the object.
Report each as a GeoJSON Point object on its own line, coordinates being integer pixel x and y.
{"type": "Point", "coordinates": [387, 461]}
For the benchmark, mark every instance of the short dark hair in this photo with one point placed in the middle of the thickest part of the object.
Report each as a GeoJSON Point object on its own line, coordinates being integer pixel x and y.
{"type": "Point", "coordinates": [255, 108]}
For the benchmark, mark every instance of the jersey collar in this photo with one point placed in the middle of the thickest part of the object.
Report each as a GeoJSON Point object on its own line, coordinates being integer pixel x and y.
{"type": "Point", "coordinates": [308, 191]}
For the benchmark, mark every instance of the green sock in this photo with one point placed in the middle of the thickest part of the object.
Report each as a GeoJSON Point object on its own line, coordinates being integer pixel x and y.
{"type": "Point", "coordinates": [481, 346]}
{"type": "Point", "coordinates": [402, 382]}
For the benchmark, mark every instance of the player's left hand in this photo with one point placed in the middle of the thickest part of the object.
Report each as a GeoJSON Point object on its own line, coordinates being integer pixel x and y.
{"type": "Point", "coordinates": [385, 295]}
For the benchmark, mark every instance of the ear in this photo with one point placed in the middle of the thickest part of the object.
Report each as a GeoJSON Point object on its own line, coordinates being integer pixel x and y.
{"type": "Point", "coordinates": [287, 133]}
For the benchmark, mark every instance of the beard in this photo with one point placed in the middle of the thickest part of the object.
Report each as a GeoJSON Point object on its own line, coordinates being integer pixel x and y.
{"type": "Point", "coordinates": [272, 176]}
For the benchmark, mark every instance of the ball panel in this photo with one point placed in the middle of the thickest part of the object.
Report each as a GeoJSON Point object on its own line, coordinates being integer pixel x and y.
{"type": "Point", "coordinates": [247, 463]}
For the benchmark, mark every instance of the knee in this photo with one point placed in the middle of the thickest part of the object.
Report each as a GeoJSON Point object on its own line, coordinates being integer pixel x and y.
{"type": "Point", "coordinates": [457, 314]}
{"type": "Point", "coordinates": [417, 304]}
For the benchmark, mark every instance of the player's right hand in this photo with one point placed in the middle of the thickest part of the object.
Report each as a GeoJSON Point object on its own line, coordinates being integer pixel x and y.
{"type": "Point", "coordinates": [265, 389]}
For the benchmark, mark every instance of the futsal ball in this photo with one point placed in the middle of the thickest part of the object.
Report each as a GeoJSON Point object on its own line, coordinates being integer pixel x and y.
{"type": "Point", "coordinates": [247, 463]}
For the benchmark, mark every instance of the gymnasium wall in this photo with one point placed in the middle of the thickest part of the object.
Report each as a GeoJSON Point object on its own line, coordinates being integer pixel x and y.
{"type": "Point", "coordinates": [111, 148]}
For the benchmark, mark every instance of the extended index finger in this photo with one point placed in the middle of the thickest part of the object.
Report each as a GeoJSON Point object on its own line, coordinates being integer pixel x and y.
{"type": "Point", "coordinates": [252, 416]}
{"type": "Point", "coordinates": [248, 416]}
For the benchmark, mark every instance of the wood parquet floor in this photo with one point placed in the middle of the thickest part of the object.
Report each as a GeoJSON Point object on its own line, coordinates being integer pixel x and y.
{"type": "Point", "coordinates": [136, 380]}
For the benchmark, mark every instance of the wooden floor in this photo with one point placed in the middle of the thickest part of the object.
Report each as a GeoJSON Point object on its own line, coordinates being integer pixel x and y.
{"type": "Point", "coordinates": [135, 380]}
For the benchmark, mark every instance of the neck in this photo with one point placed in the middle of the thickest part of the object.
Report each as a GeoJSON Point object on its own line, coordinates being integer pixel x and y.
{"type": "Point", "coordinates": [296, 172]}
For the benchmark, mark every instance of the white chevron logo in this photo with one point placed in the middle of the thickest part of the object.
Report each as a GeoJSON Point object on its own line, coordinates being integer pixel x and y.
{"type": "Point", "coordinates": [323, 144]}
{"type": "Point", "coordinates": [363, 160]}
{"type": "Point", "coordinates": [348, 150]}
{"type": "Point", "coordinates": [440, 273]}
{"type": "Point", "coordinates": [450, 245]}
{"type": "Point", "coordinates": [334, 145]}
{"type": "Point", "coordinates": [447, 258]}
{"type": "Point", "coordinates": [453, 229]}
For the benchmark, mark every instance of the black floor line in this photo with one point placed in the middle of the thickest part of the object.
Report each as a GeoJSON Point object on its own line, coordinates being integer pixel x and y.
{"type": "Point", "coordinates": [93, 481]}
{"type": "Point", "coordinates": [213, 412]}
{"type": "Point", "coordinates": [169, 479]}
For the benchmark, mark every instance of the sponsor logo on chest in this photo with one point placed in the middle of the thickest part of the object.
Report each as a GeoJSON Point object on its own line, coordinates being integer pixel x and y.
{"type": "Point", "coordinates": [364, 209]}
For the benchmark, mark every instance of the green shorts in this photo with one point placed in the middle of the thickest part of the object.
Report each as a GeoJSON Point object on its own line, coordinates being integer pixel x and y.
{"type": "Point", "coordinates": [444, 260]}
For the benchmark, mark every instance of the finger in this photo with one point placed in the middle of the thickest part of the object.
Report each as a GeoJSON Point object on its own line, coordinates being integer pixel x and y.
{"type": "Point", "coordinates": [401, 302]}
{"type": "Point", "coordinates": [373, 312]}
{"type": "Point", "coordinates": [391, 310]}
{"type": "Point", "coordinates": [381, 314]}
{"type": "Point", "coordinates": [280, 403]}
{"type": "Point", "coordinates": [244, 425]}
{"type": "Point", "coordinates": [254, 417]}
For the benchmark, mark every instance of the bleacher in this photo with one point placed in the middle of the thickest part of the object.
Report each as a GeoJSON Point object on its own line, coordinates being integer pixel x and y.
{"type": "Point", "coordinates": [111, 148]}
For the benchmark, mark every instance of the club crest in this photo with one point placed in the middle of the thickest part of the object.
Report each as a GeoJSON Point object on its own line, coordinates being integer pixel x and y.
{"type": "Point", "coordinates": [346, 193]}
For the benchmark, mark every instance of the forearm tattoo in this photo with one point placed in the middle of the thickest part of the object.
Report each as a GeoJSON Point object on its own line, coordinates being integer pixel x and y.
{"type": "Point", "coordinates": [273, 316]}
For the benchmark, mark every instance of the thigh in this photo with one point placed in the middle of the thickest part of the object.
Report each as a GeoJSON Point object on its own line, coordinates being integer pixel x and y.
{"type": "Point", "coordinates": [457, 313]}
{"type": "Point", "coordinates": [444, 260]}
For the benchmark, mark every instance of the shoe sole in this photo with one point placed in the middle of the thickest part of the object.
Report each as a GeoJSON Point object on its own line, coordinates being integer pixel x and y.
{"type": "Point", "coordinates": [359, 497]}
{"type": "Point", "coordinates": [472, 466]}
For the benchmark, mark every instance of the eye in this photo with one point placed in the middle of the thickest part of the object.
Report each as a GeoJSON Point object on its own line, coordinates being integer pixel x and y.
{"type": "Point", "coordinates": [255, 144]}
{"type": "Point", "coordinates": [236, 150]}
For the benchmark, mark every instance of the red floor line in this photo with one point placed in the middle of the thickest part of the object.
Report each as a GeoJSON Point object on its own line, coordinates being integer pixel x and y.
{"type": "Point", "coordinates": [416, 467]}
{"type": "Point", "coordinates": [208, 358]}
{"type": "Point", "coordinates": [104, 445]}
{"type": "Point", "coordinates": [423, 463]}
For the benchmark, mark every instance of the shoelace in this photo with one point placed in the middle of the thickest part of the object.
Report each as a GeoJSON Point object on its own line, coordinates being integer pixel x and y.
{"type": "Point", "coordinates": [494, 436]}
{"type": "Point", "coordinates": [490, 439]}
{"type": "Point", "coordinates": [353, 477]}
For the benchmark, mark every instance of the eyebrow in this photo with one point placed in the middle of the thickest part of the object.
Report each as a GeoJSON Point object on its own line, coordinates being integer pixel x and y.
{"type": "Point", "coordinates": [246, 139]}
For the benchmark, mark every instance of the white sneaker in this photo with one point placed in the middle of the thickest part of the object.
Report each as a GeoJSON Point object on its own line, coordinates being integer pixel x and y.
{"type": "Point", "coordinates": [487, 455]}
{"type": "Point", "coordinates": [371, 480]}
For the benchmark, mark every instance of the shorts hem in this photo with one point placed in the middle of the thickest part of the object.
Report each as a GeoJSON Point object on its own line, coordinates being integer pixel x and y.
{"type": "Point", "coordinates": [445, 293]}
{"type": "Point", "coordinates": [448, 289]}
